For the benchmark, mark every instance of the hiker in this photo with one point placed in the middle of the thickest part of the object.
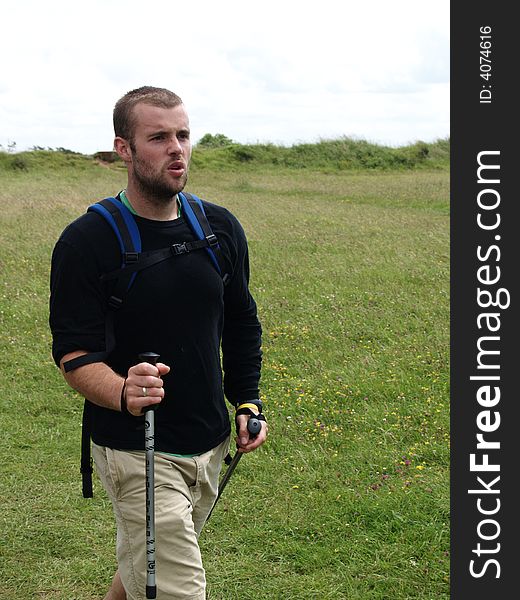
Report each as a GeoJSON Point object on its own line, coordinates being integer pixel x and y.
{"type": "Point", "coordinates": [183, 298]}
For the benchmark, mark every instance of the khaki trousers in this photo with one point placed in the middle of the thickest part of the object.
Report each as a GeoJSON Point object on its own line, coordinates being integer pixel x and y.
{"type": "Point", "coordinates": [185, 490]}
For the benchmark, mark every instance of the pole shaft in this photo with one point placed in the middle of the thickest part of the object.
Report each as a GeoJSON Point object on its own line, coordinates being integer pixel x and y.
{"type": "Point", "coordinates": [149, 425]}
{"type": "Point", "coordinates": [149, 447]}
{"type": "Point", "coordinates": [253, 426]}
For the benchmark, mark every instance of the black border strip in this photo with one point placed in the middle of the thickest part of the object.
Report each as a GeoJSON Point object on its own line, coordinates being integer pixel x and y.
{"type": "Point", "coordinates": [485, 332]}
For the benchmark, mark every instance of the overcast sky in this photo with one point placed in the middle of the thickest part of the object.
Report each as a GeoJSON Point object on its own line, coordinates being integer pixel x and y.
{"type": "Point", "coordinates": [271, 71]}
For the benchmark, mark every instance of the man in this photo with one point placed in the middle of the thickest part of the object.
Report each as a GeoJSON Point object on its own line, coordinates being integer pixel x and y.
{"type": "Point", "coordinates": [179, 308]}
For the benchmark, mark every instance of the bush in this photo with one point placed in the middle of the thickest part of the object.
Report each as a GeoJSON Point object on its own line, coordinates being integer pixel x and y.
{"type": "Point", "coordinates": [38, 160]}
{"type": "Point", "coordinates": [214, 141]}
{"type": "Point", "coordinates": [109, 156]}
{"type": "Point", "coordinates": [219, 151]}
{"type": "Point", "coordinates": [18, 163]}
{"type": "Point", "coordinates": [339, 154]}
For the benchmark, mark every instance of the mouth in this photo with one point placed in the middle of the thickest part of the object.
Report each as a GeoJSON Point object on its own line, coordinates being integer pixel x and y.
{"type": "Point", "coordinates": [177, 168]}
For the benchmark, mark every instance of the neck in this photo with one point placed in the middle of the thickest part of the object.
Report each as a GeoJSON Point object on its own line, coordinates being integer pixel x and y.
{"type": "Point", "coordinates": [156, 209]}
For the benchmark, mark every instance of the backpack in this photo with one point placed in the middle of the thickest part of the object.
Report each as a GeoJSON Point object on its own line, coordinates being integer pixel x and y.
{"type": "Point", "coordinates": [133, 260]}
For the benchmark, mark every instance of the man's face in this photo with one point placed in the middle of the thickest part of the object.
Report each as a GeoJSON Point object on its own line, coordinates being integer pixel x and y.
{"type": "Point", "coordinates": [161, 150]}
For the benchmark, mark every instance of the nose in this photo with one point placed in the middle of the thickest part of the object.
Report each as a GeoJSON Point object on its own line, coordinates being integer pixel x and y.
{"type": "Point", "coordinates": [174, 146]}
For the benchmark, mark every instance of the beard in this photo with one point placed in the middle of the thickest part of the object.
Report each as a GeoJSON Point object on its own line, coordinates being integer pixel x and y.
{"type": "Point", "coordinates": [156, 186]}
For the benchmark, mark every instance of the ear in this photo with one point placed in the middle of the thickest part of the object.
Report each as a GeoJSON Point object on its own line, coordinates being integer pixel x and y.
{"type": "Point", "coordinates": [122, 147]}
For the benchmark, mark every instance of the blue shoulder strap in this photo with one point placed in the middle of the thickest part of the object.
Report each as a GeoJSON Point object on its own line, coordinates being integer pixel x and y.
{"type": "Point", "coordinates": [191, 204]}
{"type": "Point", "coordinates": [122, 222]}
{"type": "Point", "coordinates": [127, 233]}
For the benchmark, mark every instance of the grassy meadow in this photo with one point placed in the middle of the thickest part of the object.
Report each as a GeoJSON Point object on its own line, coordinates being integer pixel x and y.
{"type": "Point", "coordinates": [349, 498]}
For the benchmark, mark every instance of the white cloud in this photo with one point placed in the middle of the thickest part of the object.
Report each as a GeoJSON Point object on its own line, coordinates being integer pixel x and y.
{"type": "Point", "coordinates": [273, 71]}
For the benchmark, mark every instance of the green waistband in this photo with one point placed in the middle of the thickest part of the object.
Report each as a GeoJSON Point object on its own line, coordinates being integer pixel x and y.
{"type": "Point", "coordinates": [182, 455]}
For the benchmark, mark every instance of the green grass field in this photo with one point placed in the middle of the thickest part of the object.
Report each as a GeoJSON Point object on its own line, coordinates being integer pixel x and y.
{"type": "Point", "coordinates": [349, 499]}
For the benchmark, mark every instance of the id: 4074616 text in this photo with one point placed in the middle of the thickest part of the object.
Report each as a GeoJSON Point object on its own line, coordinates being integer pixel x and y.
{"type": "Point", "coordinates": [485, 95]}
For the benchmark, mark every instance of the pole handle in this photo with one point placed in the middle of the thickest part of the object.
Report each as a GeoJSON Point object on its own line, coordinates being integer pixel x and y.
{"type": "Point", "coordinates": [254, 426]}
{"type": "Point", "coordinates": [149, 357]}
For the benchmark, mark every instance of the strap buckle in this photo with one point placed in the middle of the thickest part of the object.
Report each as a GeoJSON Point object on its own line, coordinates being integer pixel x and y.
{"type": "Point", "coordinates": [179, 248]}
{"type": "Point", "coordinates": [114, 302]}
{"type": "Point", "coordinates": [131, 257]}
{"type": "Point", "coordinates": [212, 240]}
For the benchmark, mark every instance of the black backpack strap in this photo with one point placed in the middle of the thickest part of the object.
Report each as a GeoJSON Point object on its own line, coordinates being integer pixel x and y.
{"type": "Point", "coordinates": [86, 459]}
{"type": "Point", "coordinates": [148, 259]}
{"type": "Point", "coordinates": [127, 233]}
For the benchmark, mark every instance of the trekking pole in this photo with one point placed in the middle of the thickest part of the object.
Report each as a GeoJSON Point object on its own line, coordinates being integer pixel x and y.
{"type": "Point", "coordinates": [149, 446]}
{"type": "Point", "coordinates": [253, 426]}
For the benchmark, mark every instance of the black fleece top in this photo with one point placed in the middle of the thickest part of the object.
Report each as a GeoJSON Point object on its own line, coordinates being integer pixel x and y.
{"type": "Point", "coordinates": [178, 308]}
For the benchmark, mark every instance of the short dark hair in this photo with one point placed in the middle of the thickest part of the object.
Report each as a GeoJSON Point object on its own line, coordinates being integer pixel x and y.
{"type": "Point", "coordinates": [124, 121]}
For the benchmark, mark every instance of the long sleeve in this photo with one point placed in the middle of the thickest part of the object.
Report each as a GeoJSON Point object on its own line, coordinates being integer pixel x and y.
{"type": "Point", "coordinates": [241, 339]}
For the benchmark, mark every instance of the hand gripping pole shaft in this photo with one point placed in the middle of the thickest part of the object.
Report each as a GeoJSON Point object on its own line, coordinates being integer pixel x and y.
{"type": "Point", "coordinates": [149, 445]}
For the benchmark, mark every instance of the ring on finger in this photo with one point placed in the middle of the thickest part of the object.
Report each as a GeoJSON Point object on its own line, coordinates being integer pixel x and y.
{"type": "Point", "coordinates": [145, 392]}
